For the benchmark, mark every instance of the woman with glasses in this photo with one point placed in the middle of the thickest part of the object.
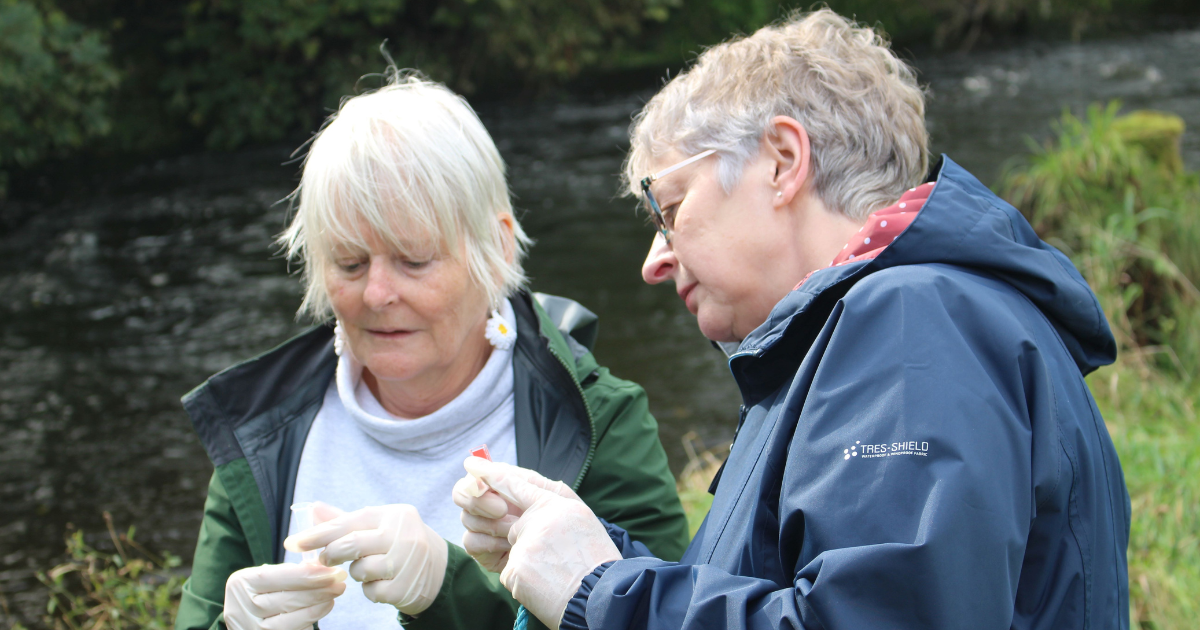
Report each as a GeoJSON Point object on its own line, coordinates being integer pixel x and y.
{"type": "Point", "coordinates": [427, 346]}
{"type": "Point", "coordinates": [917, 446]}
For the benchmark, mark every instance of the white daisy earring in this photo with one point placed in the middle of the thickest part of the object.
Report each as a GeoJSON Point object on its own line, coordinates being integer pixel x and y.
{"type": "Point", "coordinates": [500, 332]}
{"type": "Point", "coordinates": [339, 339]}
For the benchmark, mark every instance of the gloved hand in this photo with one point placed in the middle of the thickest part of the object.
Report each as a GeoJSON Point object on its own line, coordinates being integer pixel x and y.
{"type": "Point", "coordinates": [399, 559]}
{"type": "Point", "coordinates": [281, 596]}
{"type": "Point", "coordinates": [556, 541]}
{"type": "Point", "coordinates": [488, 517]}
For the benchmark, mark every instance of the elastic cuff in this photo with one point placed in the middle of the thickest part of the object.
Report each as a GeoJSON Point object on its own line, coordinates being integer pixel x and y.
{"type": "Point", "coordinates": [575, 616]}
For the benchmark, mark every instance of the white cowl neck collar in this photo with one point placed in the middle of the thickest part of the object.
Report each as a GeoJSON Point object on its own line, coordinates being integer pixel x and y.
{"type": "Point", "coordinates": [433, 434]}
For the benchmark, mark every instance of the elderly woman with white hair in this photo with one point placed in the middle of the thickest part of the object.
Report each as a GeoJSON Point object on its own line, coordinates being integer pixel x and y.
{"type": "Point", "coordinates": [917, 446]}
{"type": "Point", "coordinates": [409, 244]}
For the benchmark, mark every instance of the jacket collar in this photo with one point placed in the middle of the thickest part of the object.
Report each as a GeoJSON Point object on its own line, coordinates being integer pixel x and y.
{"type": "Point", "coordinates": [962, 223]}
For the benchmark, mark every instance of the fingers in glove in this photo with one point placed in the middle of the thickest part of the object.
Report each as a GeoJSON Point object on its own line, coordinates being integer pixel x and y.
{"type": "Point", "coordinates": [491, 526]}
{"type": "Point", "coordinates": [387, 566]}
{"type": "Point", "coordinates": [355, 545]}
{"type": "Point", "coordinates": [490, 552]}
{"type": "Point", "coordinates": [400, 529]}
{"type": "Point", "coordinates": [532, 477]}
{"type": "Point", "coordinates": [478, 544]}
{"type": "Point", "coordinates": [406, 596]}
{"type": "Point", "coordinates": [508, 484]}
{"type": "Point", "coordinates": [549, 485]}
{"type": "Point", "coordinates": [323, 512]}
{"type": "Point", "coordinates": [279, 602]}
{"type": "Point", "coordinates": [270, 578]}
{"type": "Point", "coordinates": [490, 504]}
{"type": "Point", "coordinates": [302, 619]}
{"type": "Point", "coordinates": [325, 533]}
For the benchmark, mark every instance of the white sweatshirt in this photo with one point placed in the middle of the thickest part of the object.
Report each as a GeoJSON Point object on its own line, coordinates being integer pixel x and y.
{"type": "Point", "coordinates": [358, 455]}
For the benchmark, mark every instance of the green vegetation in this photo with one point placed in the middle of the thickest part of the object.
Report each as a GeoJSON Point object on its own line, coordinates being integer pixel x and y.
{"type": "Point", "coordinates": [118, 76]}
{"type": "Point", "coordinates": [1152, 420]}
{"type": "Point", "coordinates": [130, 589]}
{"type": "Point", "coordinates": [55, 82]}
{"type": "Point", "coordinates": [1129, 222]}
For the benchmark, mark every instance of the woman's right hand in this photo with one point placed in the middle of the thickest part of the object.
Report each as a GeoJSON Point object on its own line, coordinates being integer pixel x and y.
{"type": "Point", "coordinates": [281, 596]}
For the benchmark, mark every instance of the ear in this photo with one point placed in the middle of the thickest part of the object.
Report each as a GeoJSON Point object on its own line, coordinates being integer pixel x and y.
{"type": "Point", "coordinates": [786, 143]}
{"type": "Point", "coordinates": [508, 235]}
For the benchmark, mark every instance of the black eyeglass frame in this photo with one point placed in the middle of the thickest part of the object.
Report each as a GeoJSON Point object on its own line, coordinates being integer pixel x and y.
{"type": "Point", "coordinates": [656, 213]}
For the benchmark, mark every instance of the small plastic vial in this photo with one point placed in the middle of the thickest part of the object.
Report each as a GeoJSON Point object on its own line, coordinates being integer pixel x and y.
{"type": "Point", "coordinates": [302, 516]}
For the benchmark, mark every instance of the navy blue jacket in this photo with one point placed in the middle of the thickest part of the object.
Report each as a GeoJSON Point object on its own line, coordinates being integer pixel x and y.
{"type": "Point", "coordinates": [918, 449]}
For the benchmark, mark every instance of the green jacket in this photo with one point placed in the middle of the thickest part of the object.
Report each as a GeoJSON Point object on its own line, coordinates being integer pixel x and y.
{"type": "Point", "coordinates": [574, 422]}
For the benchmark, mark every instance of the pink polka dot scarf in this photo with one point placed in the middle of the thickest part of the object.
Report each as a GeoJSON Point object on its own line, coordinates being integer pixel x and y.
{"type": "Point", "coordinates": [881, 229]}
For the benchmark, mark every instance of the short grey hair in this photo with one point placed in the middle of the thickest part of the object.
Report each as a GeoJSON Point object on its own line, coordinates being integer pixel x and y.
{"type": "Point", "coordinates": [860, 104]}
{"type": "Point", "coordinates": [412, 163]}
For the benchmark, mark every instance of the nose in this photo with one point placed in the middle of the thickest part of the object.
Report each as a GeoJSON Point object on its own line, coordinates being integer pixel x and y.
{"type": "Point", "coordinates": [660, 262]}
{"type": "Point", "coordinates": [380, 291]}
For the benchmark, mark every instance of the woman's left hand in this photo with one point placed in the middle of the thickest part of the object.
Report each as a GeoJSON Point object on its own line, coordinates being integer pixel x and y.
{"type": "Point", "coordinates": [488, 517]}
{"type": "Point", "coordinates": [398, 558]}
{"type": "Point", "coordinates": [555, 542]}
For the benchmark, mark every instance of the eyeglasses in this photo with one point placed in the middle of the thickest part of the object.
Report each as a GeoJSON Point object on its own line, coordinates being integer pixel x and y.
{"type": "Point", "coordinates": [656, 214]}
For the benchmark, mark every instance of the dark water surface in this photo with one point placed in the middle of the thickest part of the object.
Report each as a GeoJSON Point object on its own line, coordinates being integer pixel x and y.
{"type": "Point", "coordinates": [114, 306]}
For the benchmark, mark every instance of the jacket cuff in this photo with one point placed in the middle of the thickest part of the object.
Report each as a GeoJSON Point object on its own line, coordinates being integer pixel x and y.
{"type": "Point", "coordinates": [575, 616]}
{"type": "Point", "coordinates": [628, 547]}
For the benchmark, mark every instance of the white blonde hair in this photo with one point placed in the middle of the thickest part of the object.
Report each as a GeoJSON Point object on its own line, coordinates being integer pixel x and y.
{"type": "Point", "coordinates": [860, 104]}
{"type": "Point", "coordinates": [413, 164]}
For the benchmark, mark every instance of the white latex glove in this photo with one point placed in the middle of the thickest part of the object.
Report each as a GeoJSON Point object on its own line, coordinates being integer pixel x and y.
{"type": "Point", "coordinates": [488, 517]}
{"type": "Point", "coordinates": [281, 596]}
{"type": "Point", "coordinates": [556, 542]}
{"type": "Point", "coordinates": [399, 559]}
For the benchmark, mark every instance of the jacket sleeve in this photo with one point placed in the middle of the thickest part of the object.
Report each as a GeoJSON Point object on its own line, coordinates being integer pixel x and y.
{"type": "Point", "coordinates": [628, 547]}
{"type": "Point", "coordinates": [905, 492]}
{"type": "Point", "coordinates": [629, 483]}
{"type": "Point", "coordinates": [220, 550]}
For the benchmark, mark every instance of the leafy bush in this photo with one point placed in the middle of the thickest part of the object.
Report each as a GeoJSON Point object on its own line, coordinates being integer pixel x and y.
{"type": "Point", "coordinates": [234, 72]}
{"type": "Point", "coordinates": [252, 70]}
{"type": "Point", "coordinates": [55, 82]}
{"type": "Point", "coordinates": [130, 589]}
{"type": "Point", "coordinates": [1130, 225]}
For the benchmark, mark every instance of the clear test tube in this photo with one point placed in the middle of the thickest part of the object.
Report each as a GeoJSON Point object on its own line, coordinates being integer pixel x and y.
{"type": "Point", "coordinates": [302, 516]}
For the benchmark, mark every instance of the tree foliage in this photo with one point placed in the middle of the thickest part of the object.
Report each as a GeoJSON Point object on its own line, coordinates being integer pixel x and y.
{"type": "Point", "coordinates": [246, 70]}
{"type": "Point", "coordinates": [226, 73]}
{"type": "Point", "coordinates": [55, 83]}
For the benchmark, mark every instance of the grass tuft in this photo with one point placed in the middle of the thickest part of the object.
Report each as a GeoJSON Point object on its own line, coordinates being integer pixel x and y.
{"type": "Point", "coordinates": [127, 590]}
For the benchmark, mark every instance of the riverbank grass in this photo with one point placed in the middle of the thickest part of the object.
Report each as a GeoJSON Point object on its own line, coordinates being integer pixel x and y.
{"type": "Point", "coordinates": [1152, 421]}
{"type": "Point", "coordinates": [131, 589]}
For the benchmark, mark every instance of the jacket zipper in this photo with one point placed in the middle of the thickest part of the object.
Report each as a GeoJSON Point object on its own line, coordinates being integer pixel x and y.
{"type": "Point", "coordinates": [587, 462]}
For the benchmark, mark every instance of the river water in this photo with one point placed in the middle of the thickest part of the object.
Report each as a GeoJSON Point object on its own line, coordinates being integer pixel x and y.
{"type": "Point", "coordinates": [116, 301]}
